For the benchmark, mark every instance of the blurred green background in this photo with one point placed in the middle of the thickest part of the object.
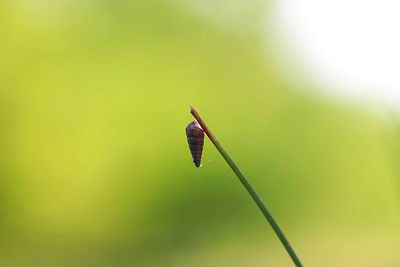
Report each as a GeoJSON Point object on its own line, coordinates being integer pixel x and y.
{"type": "Point", "coordinates": [94, 165]}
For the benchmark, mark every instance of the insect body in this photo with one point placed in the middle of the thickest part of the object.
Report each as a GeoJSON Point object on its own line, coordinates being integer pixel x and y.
{"type": "Point", "coordinates": [195, 137]}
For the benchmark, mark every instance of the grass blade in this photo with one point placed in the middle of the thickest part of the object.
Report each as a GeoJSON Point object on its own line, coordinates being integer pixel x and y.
{"type": "Point", "coordinates": [245, 182]}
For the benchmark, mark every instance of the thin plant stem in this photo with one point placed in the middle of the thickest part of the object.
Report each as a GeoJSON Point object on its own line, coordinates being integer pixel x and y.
{"type": "Point", "coordinates": [245, 182]}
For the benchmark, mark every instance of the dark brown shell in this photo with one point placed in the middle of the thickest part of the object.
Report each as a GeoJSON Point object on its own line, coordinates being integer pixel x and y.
{"type": "Point", "coordinates": [195, 137]}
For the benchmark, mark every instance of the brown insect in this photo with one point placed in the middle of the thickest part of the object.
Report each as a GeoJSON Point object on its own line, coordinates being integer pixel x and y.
{"type": "Point", "coordinates": [195, 137]}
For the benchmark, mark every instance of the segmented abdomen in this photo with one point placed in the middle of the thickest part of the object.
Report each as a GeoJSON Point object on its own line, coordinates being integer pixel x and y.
{"type": "Point", "coordinates": [195, 137]}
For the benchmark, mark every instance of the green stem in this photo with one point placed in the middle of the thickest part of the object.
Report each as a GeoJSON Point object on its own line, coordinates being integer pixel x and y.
{"type": "Point", "coordinates": [248, 187]}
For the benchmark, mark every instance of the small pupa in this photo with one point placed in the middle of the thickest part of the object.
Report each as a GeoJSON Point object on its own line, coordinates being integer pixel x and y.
{"type": "Point", "coordinates": [195, 137]}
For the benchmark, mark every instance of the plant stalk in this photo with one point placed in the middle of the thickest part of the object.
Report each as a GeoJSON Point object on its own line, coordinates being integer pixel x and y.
{"type": "Point", "coordinates": [245, 182]}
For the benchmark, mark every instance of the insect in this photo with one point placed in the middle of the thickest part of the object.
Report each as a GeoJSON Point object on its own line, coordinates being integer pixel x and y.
{"type": "Point", "coordinates": [195, 137]}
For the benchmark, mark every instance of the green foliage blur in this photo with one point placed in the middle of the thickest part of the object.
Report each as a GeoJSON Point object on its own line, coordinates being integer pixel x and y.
{"type": "Point", "coordinates": [94, 165]}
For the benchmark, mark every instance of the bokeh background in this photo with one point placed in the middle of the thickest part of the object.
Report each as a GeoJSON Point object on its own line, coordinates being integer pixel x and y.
{"type": "Point", "coordinates": [94, 165]}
